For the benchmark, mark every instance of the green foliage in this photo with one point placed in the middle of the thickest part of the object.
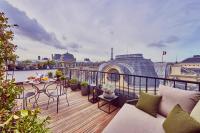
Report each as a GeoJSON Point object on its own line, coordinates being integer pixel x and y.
{"type": "Point", "coordinates": [11, 119]}
{"type": "Point", "coordinates": [59, 73]}
{"type": "Point", "coordinates": [25, 121]}
{"type": "Point", "coordinates": [51, 62]}
{"type": "Point", "coordinates": [26, 62]}
{"type": "Point", "coordinates": [63, 78]}
{"type": "Point", "coordinates": [8, 93]}
{"type": "Point", "coordinates": [84, 84]}
{"type": "Point", "coordinates": [73, 81]}
{"type": "Point", "coordinates": [50, 74]}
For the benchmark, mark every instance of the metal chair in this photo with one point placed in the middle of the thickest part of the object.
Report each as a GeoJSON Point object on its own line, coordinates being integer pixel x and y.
{"type": "Point", "coordinates": [25, 95]}
{"type": "Point", "coordinates": [60, 89]}
{"type": "Point", "coordinates": [39, 90]}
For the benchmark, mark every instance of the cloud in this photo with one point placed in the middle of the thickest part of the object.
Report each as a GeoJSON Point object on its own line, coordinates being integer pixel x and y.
{"type": "Point", "coordinates": [141, 26]}
{"type": "Point", "coordinates": [159, 44]}
{"type": "Point", "coordinates": [22, 48]}
{"type": "Point", "coordinates": [164, 43]}
{"type": "Point", "coordinates": [172, 39]}
{"type": "Point", "coordinates": [74, 46]}
{"type": "Point", "coordinates": [29, 27]}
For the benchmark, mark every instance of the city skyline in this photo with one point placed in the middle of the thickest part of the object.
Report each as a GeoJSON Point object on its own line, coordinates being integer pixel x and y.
{"type": "Point", "coordinates": [91, 28]}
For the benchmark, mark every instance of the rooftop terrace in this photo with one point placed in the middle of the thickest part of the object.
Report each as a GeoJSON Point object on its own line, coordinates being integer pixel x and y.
{"type": "Point", "coordinates": [84, 116]}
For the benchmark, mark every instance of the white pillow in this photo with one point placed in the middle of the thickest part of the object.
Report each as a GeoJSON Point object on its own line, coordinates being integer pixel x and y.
{"type": "Point", "coordinates": [196, 112]}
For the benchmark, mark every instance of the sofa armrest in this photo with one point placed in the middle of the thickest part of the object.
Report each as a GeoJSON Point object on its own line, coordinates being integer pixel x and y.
{"type": "Point", "coordinates": [132, 101]}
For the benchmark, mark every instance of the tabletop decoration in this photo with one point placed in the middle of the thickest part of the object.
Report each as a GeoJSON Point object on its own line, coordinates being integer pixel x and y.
{"type": "Point", "coordinates": [108, 90]}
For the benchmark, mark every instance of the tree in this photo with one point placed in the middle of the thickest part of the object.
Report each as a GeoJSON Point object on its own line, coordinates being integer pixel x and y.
{"type": "Point", "coordinates": [12, 119]}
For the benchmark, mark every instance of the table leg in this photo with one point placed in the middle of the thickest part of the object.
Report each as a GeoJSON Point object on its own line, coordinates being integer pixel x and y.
{"type": "Point", "coordinates": [93, 95]}
{"type": "Point", "coordinates": [88, 94]}
{"type": "Point", "coordinates": [57, 103]}
{"type": "Point", "coordinates": [98, 103]}
{"type": "Point", "coordinates": [109, 107]}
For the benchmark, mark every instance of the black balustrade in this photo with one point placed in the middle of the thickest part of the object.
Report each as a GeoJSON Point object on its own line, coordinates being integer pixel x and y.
{"type": "Point", "coordinates": [128, 84]}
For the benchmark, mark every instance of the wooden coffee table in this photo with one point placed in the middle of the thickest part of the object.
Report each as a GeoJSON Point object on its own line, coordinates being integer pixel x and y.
{"type": "Point", "coordinates": [108, 101]}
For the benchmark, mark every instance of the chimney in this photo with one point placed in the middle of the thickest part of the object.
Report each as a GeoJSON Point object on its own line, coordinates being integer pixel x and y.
{"type": "Point", "coordinates": [111, 54]}
{"type": "Point", "coordinates": [52, 56]}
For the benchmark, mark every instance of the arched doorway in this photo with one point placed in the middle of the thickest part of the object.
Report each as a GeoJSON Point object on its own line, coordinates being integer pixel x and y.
{"type": "Point", "coordinates": [113, 75]}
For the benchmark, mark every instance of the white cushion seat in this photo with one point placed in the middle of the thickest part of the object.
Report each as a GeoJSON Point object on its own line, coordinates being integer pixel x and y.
{"type": "Point", "coordinates": [133, 120]}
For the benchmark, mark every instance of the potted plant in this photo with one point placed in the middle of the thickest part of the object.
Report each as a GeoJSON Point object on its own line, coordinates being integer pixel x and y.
{"type": "Point", "coordinates": [73, 83]}
{"type": "Point", "coordinates": [50, 74]}
{"type": "Point", "coordinates": [84, 88]}
{"type": "Point", "coordinates": [108, 90]}
{"type": "Point", "coordinates": [59, 74]}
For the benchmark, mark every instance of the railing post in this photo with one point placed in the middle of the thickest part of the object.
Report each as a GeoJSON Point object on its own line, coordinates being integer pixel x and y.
{"type": "Point", "coordinates": [123, 84]}
{"type": "Point", "coordinates": [199, 86]}
{"type": "Point", "coordinates": [134, 83]}
{"type": "Point", "coordinates": [70, 74]}
{"type": "Point", "coordinates": [128, 85]}
{"type": "Point", "coordinates": [164, 82]}
{"type": "Point", "coordinates": [155, 87]}
{"type": "Point", "coordinates": [97, 78]}
{"type": "Point", "coordinates": [140, 84]}
{"type": "Point", "coordinates": [185, 85]}
{"type": "Point", "coordinates": [115, 81]}
{"type": "Point", "coordinates": [174, 83]}
{"type": "Point", "coordinates": [146, 85]}
{"type": "Point", "coordinates": [119, 81]}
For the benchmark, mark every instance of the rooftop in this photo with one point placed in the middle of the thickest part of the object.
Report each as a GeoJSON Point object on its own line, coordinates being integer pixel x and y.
{"type": "Point", "coordinates": [194, 59]}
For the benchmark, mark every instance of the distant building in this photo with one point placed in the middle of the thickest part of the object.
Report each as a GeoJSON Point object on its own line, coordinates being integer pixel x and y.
{"type": "Point", "coordinates": [57, 57]}
{"type": "Point", "coordinates": [162, 69]}
{"type": "Point", "coordinates": [87, 60]}
{"type": "Point", "coordinates": [132, 64]}
{"type": "Point", "coordinates": [45, 58]}
{"type": "Point", "coordinates": [39, 57]}
{"type": "Point", "coordinates": [64, 60]}
{"type": "Point", "coordinates": [88, 65]}
{"type": "Point", "coordinates": [188, 69]}
{"type": "Point", "coordinates": [67, 57]}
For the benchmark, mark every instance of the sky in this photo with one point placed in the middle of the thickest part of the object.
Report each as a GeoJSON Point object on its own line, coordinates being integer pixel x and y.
{"type": "Point", "coordinates": [90, 28]}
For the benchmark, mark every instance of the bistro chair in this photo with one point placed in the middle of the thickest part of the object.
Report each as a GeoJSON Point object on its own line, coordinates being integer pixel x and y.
{"type": "Point", "coordinates": [59, 88]}
{"type": "Point", "coordinates": [40, 88]}
{"type": "Point", "coordinates": [25, 95]}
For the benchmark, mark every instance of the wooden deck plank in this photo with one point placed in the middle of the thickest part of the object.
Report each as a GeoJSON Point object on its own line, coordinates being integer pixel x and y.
{"type": "Point", "coordinates": [79, 116]}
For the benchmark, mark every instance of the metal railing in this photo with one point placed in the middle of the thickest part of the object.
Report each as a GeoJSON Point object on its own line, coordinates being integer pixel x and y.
{"type": "Point", "coordinates": [127, 84]}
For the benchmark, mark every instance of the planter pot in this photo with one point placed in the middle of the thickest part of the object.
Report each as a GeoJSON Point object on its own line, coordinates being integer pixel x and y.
{"type": "Point", "coordinates": [74, 87]}
{"type": "Point", "coordinates": [108, 96]}
{"type": "Point", "coordinates": [84, 90]}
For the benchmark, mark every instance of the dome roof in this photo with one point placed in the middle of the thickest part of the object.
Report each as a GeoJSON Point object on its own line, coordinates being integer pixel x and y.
{"type": "Point", "coordinates": [132, 64]}
{"type": "Point", "coordinates": [68, 57]}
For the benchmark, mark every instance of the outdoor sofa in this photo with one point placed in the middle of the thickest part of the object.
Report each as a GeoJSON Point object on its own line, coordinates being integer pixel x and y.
{"type": "Point", "coordinates": [130, 119]}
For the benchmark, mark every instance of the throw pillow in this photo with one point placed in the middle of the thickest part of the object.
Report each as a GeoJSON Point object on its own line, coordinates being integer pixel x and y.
{"type": "Point", "coordinates": [179, 121]}
{"type": "Point", "coordinates": [196, 112]}
{"type": "Point", "coordinates": [173, 96]}
{"type": "Point", "coordinates": [148, 103]}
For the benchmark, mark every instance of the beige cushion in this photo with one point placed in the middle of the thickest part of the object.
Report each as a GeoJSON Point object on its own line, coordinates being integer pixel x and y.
{"type": "Point", "coordinates": [132, 120]}
{"type": "Point", "coordinates": [173, 96]}
{"type": "Point", "coordinates": [196, 112]}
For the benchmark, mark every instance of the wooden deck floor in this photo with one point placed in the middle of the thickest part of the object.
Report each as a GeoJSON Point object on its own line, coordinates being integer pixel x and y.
{"type": "Point", "coordinates": [80, 116]}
